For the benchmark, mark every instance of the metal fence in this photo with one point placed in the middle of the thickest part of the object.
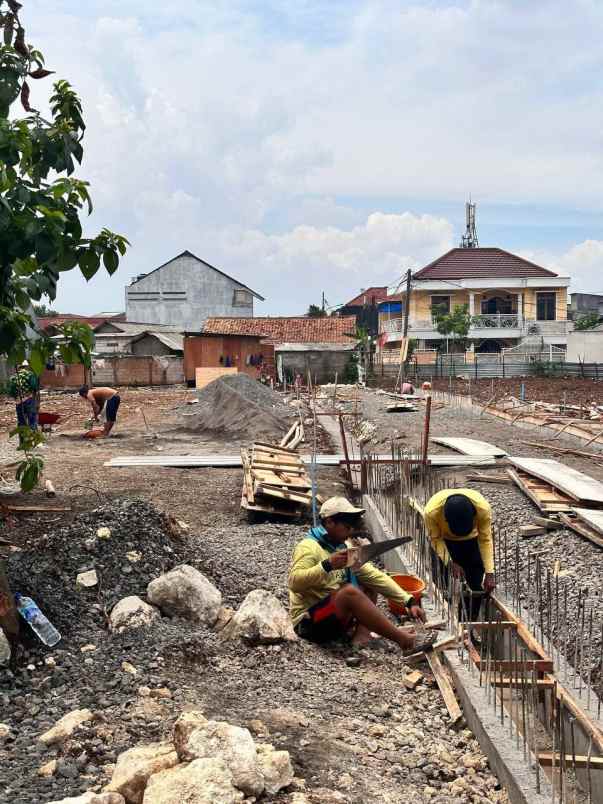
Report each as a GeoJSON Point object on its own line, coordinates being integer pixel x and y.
{"type": "Point", "coordinates": [446, 366]}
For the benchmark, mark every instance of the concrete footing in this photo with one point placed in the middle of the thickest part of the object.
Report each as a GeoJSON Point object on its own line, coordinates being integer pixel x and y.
{"type": "Point", "coordinates": [505, 759]}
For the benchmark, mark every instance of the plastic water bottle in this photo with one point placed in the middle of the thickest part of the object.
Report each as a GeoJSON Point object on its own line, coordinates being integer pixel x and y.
{"type": "Point", "coordinates": [41, 625]}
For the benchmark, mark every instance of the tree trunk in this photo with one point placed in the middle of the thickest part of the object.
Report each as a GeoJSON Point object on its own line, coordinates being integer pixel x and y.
{"type": "Point", "coordinates": [9, 619]}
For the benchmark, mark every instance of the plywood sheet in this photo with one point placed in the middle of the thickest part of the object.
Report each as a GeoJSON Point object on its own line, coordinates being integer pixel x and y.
{"type": "Point", "coordinates": [203, 376]}
{"type": "Point", "coordinates": [575, 484]}
{"type": "Point", "coordinates": [592, 518]}
{"type": "Point", "coordinates": [470, 446]}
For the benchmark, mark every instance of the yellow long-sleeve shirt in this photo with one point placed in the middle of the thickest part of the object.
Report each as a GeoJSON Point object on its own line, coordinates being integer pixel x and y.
{"type": "Point", "coordinates": [438, 529]}
{"type": "Point", "coordinates": [309, 583]}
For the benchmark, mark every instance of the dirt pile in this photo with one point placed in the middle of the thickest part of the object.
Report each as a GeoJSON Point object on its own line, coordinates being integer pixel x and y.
{"type": "Point", "coordinates": [239, 407]}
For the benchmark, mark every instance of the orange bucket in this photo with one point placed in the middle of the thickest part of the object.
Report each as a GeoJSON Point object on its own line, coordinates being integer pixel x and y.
{"type": "Point", "coordinates": [411, 584]}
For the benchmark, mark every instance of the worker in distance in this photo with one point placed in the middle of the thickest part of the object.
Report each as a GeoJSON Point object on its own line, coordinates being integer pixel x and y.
{"type": "Point", "coordinates": [330, 600]}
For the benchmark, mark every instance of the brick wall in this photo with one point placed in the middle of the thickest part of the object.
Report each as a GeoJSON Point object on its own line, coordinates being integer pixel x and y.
{"type": "Point", "coordinates": [143, 370]}
{"type": "Point", "coordinates": [64, 377]}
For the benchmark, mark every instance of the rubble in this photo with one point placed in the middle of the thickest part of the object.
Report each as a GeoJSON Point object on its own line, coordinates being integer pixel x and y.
{"type": "Point", "coordinates": [132, 612]}
{"type": "Point", "coordinates": [204, 781]}
{"type": "Point", "coordinates": [136, 766]}
{"type": "Point", "coordinates": [65, 727]}
{"type": "Point", "coordinates": [260, 619]}
{"type": "Point", "coordinates": [186, 592]}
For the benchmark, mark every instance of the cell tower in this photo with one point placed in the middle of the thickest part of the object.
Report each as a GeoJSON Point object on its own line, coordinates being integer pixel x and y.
{"type": "Point", "coordinates": [469, 239]}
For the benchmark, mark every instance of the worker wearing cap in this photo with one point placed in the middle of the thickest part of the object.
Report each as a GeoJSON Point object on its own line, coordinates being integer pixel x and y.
{"type": "Point", "coordinates": [328, 600]}
{"type": "Point", "coordinates": [459, 524]}
{"type": "Point", "coordinates": [23, 387]}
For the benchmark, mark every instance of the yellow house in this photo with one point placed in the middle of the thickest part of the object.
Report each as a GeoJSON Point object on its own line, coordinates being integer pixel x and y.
{"type": "Point", "coordinates": [508, 297]}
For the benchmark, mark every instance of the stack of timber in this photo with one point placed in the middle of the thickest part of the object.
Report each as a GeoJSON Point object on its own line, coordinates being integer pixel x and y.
{"type": "Point", "coordinates": [294, 436]}
{"type": "Point", "coordinates": [275, 481]}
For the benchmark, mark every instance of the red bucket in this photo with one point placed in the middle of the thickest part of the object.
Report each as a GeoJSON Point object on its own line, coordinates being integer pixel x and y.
{"type": "Point", "coordinates": [411, 584]}
{"type": "Point", "coordinates": [48, 418]}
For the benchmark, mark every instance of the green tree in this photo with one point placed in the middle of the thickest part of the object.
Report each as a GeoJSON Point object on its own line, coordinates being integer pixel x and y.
{"type": "Point", "coordinates": [314, 311]}
{"type": "Point", "coordinates": [40, 207]}
{"type": "Point", "coordinates": [587, 321]}
{"type": "Point", "coordinates": [42, 311]}
{"type": "Point", "coordinates": [454, 326]}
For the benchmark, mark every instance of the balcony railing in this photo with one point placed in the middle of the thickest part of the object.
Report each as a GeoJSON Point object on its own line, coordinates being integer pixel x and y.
{"type": "Point", "coordinates": [496, 321]}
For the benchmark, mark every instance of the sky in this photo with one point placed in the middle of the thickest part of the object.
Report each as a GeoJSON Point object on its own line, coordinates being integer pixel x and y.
{"type": "Point", "coordinates": [326, 146]}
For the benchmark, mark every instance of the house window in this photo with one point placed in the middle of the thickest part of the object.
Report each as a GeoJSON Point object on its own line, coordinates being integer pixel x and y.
{"type": "Point", "coordinates": [440, 304]}
{"type": "Point", "coordinates": [546, 306]}
{"type": "Point", "coordinates": [242, 298]}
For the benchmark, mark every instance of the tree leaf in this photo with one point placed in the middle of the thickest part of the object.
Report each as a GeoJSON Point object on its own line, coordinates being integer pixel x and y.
{"type": "Point", "coordinates": [37, 361]}
{"type": "Point", "coordinates": [111, 261]}
{"type": "Point", "coordinates": [89, 263]}
{"type": "Point", "coordinates": [14, 6]}
{"type": "Point", "coordinates": [25, 96]}
{"type": "Point", "coordinates": [8, 29]}
{"type": "Point", "coordinates": [41, 73]}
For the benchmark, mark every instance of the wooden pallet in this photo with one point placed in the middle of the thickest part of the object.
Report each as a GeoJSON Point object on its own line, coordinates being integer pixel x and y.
{"type": "Point", "coordinates": [275, 481]}
{"type": "Point", "coordinates": [548, 499]}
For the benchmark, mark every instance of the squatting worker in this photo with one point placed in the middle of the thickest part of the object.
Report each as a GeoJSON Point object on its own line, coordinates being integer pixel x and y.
{"type": "Point", "coordinates": [328, 600]}
{"type": "Point", "coordinates": [99, 398]}
{"type": "Point", "coordinates": [23, 387]}
{"type": "Point", "coordinates": [459, 524]}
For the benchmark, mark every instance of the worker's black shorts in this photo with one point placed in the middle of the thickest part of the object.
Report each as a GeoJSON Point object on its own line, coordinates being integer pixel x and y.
{"type": "Point", "coordinates": [111, 409]}
{"type": "Point", "coordinates": [322, 624]}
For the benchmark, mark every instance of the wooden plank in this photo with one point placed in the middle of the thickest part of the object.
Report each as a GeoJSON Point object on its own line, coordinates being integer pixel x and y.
{"type": "Point", "coordinates": [470, 446]}
{"type": "Point", "coordinates": [527, 531]}
{"type": "Point", "coordinates": [508, 666]}
{"type": "Point", "coordinates": [478, 477]}
{"type": "Point", "coordinates": [445, 687]}
{"type": "Point", "coordinates": [522, 632]}
{"type": "Point", "coordinates": [544, 683]}
{"type": "Point", "coordinates": [594, 519]}
{"type": "Point", "coordinates": [582, 529]}
{"type": "Point", "coordinates": [31, 509]}
{"type": "Point", "coordinates": [284, 494]}
{"type": "Point", "coordinates": [579, 761]}
{"type": "Point", "coordinates": [571, 482]}
{"type": "Point", "coordinates": [545, 522]}
{"type": "Point", "coordinates": [264, 446]}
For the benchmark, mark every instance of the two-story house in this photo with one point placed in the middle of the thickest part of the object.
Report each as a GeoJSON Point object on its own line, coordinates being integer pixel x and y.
{"type": "Point", "coordinates": [508, 298]}
{"type": "Point", "coordinates": [184, 292]}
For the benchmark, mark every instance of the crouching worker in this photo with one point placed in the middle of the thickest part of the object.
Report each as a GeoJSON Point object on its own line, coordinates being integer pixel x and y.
{"type": "Point", "coordinates": [328, 600]}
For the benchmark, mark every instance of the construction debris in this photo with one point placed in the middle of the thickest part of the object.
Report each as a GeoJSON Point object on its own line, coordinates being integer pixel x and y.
{"type": "Point", "coordinates": [275, 481]}
{"type": "Point", "coordinates": [470, 446]}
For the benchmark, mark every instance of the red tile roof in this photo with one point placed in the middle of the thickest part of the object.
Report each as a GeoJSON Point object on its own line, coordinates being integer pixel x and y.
{"type": "Point", "coordinates": [378, 293]}
{"type": "Point", "coordinates": [335, 329]}
{"type": "Point", "coordinates": [467, 263]}
{"type": "Point", "coordinates": [64, 318]}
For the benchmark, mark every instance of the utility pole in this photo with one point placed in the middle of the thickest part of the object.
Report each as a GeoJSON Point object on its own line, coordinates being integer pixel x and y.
{"type": "Point", "coordinates": [323, 301]}
{"type": "Point", "coordinates": [405, 330]}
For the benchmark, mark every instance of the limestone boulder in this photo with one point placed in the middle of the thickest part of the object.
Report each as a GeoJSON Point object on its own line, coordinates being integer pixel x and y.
{"type": "Point", "coordinates": [132, 612]}
{"type": "Point", "coordinates": [275, 767]}
{"type": "Point", "coordinates": [65, 727]}
{"type": "Point", "coordinates": [4, 649]}
{"type": "Point", "coordinates": [213, 738]}
{"type": "Point", "coordinates": [93, 798]}
{"type": "Point", "coordinates": [136, 766]}
{"type": "Point", "coordinates": [202, 781]}
{"type": "Point", "coordinates": [186, 592]}
{"type": "Point", "coordinates": [261, 619]}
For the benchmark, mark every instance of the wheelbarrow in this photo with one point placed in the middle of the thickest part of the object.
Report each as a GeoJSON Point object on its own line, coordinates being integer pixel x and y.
{"type": "Point", "coordinates": [46, 420]}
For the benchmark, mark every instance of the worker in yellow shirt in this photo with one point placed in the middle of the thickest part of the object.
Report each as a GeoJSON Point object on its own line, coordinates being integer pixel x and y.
{"type": "Point", "coordinates": [329, 600]}
{"type": "Point", "coordinates": [459, 524]}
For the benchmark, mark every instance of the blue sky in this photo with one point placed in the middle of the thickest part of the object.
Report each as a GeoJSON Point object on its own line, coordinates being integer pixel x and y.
{"type": "Point", "coordinates": [314, 146]}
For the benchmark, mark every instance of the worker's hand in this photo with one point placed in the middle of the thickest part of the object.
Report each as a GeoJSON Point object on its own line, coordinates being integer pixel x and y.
{"type": "Point", "coordinates": [489, 583]}
{"type": "Point", "coordinates": [417, 613]}
{"type": "Point", "coordinates": [457, 570]}
{"type": "Point", "coordinates": [339, 559]}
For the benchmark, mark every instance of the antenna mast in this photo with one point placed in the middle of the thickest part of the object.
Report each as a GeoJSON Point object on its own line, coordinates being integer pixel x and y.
{"type": "Point", "coordinates": [469, 239]}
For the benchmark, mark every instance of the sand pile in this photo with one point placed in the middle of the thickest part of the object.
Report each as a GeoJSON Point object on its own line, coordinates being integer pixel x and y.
{"type": "Point", "coordinates": [237, 406]}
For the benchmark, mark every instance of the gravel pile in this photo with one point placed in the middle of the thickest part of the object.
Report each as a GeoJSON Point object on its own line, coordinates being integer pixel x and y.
{"type": "Point", "coordinates": [237, 407]}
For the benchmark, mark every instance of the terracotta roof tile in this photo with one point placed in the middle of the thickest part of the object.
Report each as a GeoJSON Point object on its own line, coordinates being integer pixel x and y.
{"type": "Point", "coordinates": [379, 293]}
{"type": "Point", "coordinates": [335, 329]}
{"type": "Point", "coordinates": [64, 318]}
{"type": "Point", "coordinates": [466, 263]}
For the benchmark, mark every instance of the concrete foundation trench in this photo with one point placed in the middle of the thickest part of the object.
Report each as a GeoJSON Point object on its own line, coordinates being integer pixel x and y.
{"type": "Point", "coordinates": [528, 674]}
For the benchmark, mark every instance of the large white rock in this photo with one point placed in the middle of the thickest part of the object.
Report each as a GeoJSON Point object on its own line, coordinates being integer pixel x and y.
{"type": "Point", "coordinates": [203, 781]}
{"type": "Point", "coordinates": [93, 798]}
{"type": "Point", "coordinates": [4, 649]}
{"type": "Point", "coordinates": [132, 612]}
{"type": "Point", "coordinates": [186, 592]}
{"type": "Point", "coordinates": [214, 738]}
{"type": "Point", "coordinates": [261, 618]}
{"type": "Point", "coordinates": [136, 766]}
{"type": "Point", "coordinates": [65, 727]}
{"type": "Point", "coordinates": [275, 766]}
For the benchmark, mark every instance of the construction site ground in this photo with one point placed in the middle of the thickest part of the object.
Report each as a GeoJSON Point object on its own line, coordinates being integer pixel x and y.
{"type": "Point", "coordinates": [355, 733]}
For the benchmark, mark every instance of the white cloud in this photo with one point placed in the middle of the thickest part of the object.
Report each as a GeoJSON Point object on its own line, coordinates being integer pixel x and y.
{"type": "Point", "coordinates": [208, 121]}
{"type": "Point", "coordinates": [584, 264]}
